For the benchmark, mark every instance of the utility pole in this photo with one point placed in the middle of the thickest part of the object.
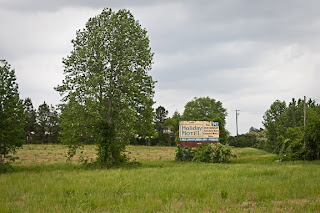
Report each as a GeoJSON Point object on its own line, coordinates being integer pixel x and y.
{"type": "Point", "coordinates": [304, 120]}
{"type": "Point", "coordinates": [237, 113]}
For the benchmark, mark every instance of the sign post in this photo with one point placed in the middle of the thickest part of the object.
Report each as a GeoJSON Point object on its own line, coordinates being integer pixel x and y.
{"type": "Point", "coordinates": [192, 133]}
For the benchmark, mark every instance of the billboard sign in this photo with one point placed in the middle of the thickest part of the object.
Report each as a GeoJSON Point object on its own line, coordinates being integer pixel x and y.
{"type": "Point", "coordinates": [198, 131]}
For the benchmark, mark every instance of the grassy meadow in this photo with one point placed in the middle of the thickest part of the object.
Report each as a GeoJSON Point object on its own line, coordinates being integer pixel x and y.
{"type": "Point", "coordinates": [42, 181]}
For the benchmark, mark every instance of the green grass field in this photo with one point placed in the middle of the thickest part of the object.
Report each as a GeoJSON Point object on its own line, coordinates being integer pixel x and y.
{"type": "Point", "coordinates": [254, 182]}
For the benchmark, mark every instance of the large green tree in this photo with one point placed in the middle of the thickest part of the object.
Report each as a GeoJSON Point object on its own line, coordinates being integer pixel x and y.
{"type": "Point", "coordinates": [205, 108]}
{"type": "Point", "coordinates": [11, 113]}
{"type": "Point", "coordinates": [106, 84]}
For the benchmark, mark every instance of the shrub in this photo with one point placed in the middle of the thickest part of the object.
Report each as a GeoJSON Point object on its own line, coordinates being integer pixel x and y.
{"type": "Point", "coordinates": [184, 153]}
{"type": "Point", "coordinates": [208, 153]}
{"type": "Point", "coordinates": [213, 153]}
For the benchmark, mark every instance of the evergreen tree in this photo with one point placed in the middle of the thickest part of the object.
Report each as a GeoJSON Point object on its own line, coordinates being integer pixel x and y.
{"type": "Point", "coordinates": [43, 117]}
{"type": "Point", "coordinates": [53, 125]}
{"type": "Point", "coordinates": [160, 118]}
{"type": "Point", "coordinates": [30, 121]}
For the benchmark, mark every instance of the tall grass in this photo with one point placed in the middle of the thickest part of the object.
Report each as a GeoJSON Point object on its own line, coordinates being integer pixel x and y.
{"type": "Point", "coordinates": [253, 182]}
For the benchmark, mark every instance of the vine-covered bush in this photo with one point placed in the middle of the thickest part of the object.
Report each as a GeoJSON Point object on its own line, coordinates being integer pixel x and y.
{"type": "Point", "coordinates": [209, 153]}
{"type": "Point", "coordinates": [184, 153]}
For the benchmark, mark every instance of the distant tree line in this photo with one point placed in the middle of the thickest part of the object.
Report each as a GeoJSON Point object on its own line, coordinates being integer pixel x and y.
{"type": "Point", "coordinates": [41, 125]}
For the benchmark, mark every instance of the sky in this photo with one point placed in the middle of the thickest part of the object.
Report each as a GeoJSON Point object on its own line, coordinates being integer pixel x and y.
{"type": "Point", "coordinates": [244, 53]}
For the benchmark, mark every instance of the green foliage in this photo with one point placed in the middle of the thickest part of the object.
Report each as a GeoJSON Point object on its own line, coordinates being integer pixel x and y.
{"type": "Point", "coordinates": [110, 153]}
{"type": "Point", "coordinates": [54, 125]}
{"type": "Point", "coordinates": [213, 153]}
{"type": "Point", "coordinates": [42, 125]}
{"type": "Point", "coordinates": [312, 134]}
{"type": "Point", "coordinates": [286, 133]}
{"type": "Point", "coordinates": [255, 139]}
{"type": "Point", "coordinates": [30, 115]}
{"type": "Point", "coordinates": [107, 92]}
{"type": "Point", "coordinates": [207, 109]}
{"type": "Point", "coordinates": [159, 120]}
{"type": "Point", "coordinates": [292, 144]}
{"type": "Point", "coordinates": [274, 124]}
{"type": "Point", "coordinates": [206, 152]}
{"type": "Point", "coordinates": [11, 114]}
{"type": "Point", "coordinates": [172, 124]}
{"type": "Point", "coordinates": [47, 124]}
{"type": "Point", "coordinates": [76, 124]}
{"type": "Point", "coordinates": [184, 153]}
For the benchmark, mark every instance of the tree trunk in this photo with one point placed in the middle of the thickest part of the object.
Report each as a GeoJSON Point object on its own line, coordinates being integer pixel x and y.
{"type": "Point", "coordinates": [107, 150]}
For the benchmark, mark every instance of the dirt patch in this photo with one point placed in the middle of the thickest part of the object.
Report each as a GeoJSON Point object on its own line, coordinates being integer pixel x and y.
{"type": "Point", "coordinates": [248, 205]}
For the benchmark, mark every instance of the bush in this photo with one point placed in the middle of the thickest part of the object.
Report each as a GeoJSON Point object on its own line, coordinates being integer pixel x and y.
{"type": "Point", "coordinates": [208, 153]}
{"type": "Point", "coordinates": [213, 153]}
{"type": "Point", "coordinates": [184, 153]}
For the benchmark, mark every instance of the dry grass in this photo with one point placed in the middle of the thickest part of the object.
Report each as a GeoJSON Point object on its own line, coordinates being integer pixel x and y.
{"type": "Point", "coordinates": [50, 154]}
{"type": "Point", "coordinates": [32, 154]}
{"type": "Point", "coordinates": [150, 153]}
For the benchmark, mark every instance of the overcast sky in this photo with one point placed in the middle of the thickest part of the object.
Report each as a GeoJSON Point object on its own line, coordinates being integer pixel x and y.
{"type": "Point", "coordinates": [244, 53]}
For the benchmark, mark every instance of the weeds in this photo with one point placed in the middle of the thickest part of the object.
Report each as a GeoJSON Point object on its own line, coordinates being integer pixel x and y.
{"type": "Point", "coordinates": [253, 182]}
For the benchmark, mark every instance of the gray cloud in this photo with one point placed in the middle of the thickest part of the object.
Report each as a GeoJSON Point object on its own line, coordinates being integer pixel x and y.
{"type": "Point", "coordinates": [51, 6]}
{"type": "Point", "coordinates": [244, 53]}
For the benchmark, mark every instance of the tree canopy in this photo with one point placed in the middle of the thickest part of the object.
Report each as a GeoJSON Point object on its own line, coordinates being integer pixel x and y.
{"type": "Point", "coordinates": [286, 132]}
{"type": "Point", "coordinates": [107, 91]}
{"type": "Point", "coordinates": [205, 108]}
{"type": "Point", "coordinates": [11, 113]}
